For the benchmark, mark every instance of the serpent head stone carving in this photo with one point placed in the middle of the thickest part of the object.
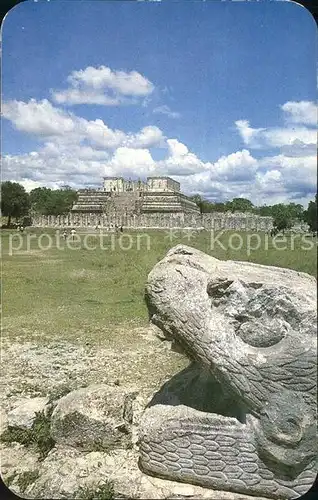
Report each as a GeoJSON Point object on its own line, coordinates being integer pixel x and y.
{"type": "Point", "coordinates": [242, 416]}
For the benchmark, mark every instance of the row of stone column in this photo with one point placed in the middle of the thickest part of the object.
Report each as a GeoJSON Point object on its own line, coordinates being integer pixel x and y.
{"type": "Point", "coordinates": [157, 220]}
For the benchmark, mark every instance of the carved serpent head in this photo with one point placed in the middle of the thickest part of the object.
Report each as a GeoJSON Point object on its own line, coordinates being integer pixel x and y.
{"type": "Point", "coordinates": [252, 328]}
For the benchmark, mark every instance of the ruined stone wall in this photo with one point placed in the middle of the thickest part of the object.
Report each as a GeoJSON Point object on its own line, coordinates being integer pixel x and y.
{"type": "Point", "coordinates": [211, 221]}
{"type": "Point", "coordinates": [167, 202]}
{"type": "Point", "coordinates": [114, 184]}
{"type": "Point", "coordinates": [163, 184]}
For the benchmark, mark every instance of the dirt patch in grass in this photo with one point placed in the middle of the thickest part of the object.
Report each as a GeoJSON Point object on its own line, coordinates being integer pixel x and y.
{"type": "Point", "coordinates": [32, 251]}
{"type": "Point", "coordinates": [36, 263]}
{"type": "Point", "coordinates": [84, 274]}
{"type": "Point", "coordinates": [133, 358]}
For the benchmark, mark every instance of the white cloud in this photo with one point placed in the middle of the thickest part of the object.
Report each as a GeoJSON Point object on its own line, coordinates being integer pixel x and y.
{"type": "Point", "coordinates": [248, 133]}
{"type": "Point", "coordinates": [201, 184]}
{"type": "Point", "coordinates": [230, 176]}
{"type": "Point", "coordinates": [103, 86]}
{"type": "Point", "coordinates": [176, 148]}
{"type": "Point", "coordinates": [52, 171]}
{"type": "Point", "coordinates": [267, 180]}
{"type": "Point", "coordinates": [56, 150]}
{"type": "Point", "coordinates": [235, 167]}
{"type": "Point", "coordinates": [269, 188]}
{"type": "Point", "coordinates": [28, 184]}
{"type": "Point", "coordinates": [298, 148]}
{"type": "Point", "coordinates": [147, 137]}
{"type": "Point", "coordinates": [179, 160]}
{"type": "Point", "coordinates": [77, 96]}
{"type": "Point", "coordinates": [300, 112]}
{"type": "Point", "coordinates": [278, 137]}
{"type": "Point", "coordinates": [79, 152]}
{"type": "Point", "coordinates": [131, 163]}
{"type": "Point", "coordinates": [304, 164]}
{"type": "Point", "coordinates": [38, 117]}
{"type": "Point", "coordinates": [297, 174]}
{"type": "Point", "coordinates": [46, 121]}
{"type": "Point", "coordinates": [282, 178]}
{"type": "Point", "coordinates": [270, 182]}
{"type": "Point", "coordinates": [124, 83]}
{"type": "Point", "coordinates": [99, 134]}
{"type": "Point", "coordinates": [275, 137]}
{"type": "Point", "coordinates": [165, 110]}
{"type": "Point", "coordinates": [295, 139]}
{"type": "Point", "coordinates": [292, 174]}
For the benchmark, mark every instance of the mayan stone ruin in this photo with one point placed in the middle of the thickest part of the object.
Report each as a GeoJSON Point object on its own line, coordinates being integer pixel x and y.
{"type": "Point", "coordinates": [120, 197]}
{"type": "Point", "coordinates": [155, 204]}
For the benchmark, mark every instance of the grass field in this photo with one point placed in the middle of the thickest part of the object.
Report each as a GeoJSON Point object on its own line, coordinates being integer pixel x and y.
{"type": "Point", "coordinates": [81, 293]}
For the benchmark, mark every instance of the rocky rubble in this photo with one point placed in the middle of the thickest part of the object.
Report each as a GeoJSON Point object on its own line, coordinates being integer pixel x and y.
{"type": "Point", "coordinates": [33, 384]}
{"type": "Point", "coordinates": [23, 415]}
{"type": "Point", "coordinates": [66, 470]}
{"type": "Point", "coordinates": [97, 416]}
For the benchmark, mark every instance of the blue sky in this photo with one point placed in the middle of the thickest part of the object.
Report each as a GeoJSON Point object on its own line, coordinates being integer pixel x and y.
{"type": "Point", "coordinates": [219, 95]}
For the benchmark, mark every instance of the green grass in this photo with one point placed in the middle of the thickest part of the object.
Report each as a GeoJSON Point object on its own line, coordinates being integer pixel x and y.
{"type": "Point", "coordinates": [9, 479]}
{"type": "Point", "coordinates": [38, 436]}
{"type": "Point", "coordinates": [23, 480]}
{"type": "Point", "coordinates": [27, 478]}
{"type": "Point", "coordinates": [84, 293]}
{"type": "Point", "coordinates": [102, 492]}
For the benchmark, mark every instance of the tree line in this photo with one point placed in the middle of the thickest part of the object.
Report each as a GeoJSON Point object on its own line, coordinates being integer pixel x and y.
{"type": "Point", "coordinates": [17, 203]}
{"type": "Point", "coordinates": [284, 215]}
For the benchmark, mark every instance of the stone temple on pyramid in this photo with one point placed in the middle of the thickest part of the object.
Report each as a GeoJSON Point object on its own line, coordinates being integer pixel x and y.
{"type": "Point", "coordinates": [119, 196]}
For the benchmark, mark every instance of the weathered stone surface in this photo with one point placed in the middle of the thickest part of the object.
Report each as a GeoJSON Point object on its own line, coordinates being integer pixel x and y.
{"type": "Point", "coordinates": [94, 417]}
{"type": "Point", "coordinates": [23, 415]}
{"type": "Point", "coordinates": [3, 420]}
{"type": "Point", "coordinates": [32, 369]}
{"type": "Point", "coordinates": [250, 331]}
{"type": "Point", "coordinates": [15, 461]}
{"type": "Point", "coordinates": [65, 470]}
{"type": "Point", "coordinates": [135, 361]}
